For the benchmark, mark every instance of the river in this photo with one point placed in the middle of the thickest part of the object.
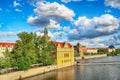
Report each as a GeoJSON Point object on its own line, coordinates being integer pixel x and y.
{"type": "Point", "coordinates": [85, 72]}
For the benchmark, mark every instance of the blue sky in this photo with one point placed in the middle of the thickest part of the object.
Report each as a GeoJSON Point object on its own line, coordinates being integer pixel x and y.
{"type": "Point", "coordinates": [93, 23]}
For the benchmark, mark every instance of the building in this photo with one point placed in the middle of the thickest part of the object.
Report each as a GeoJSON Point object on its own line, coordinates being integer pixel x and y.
{"type": "Point", "coordinates": [92, 50]}
{"type": "Point", "coordinates": [4, 45]}
{"type": "Point", "coordinates": [46, 34]}
{"type": "Point", "coordinates": [81, 50]}
{"type": "Point", "coordinates": [64, 53]}
{"type": "Point", "coordinates": [108, 49]}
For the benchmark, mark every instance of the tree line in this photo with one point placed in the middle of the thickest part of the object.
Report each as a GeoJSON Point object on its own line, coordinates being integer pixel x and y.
{"type": "Point", "coordinates": [29, 49]}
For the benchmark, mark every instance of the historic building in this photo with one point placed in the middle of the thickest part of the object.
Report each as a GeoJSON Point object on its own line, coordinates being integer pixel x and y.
{"type": "Point", "coordinates": [108, 49]}
{"type": "Point", "coordinates": [92, 50]}
{"type": "Point", "coordinates": [64, 53]}
{"type": "Point", "coordinates": [4, 45]}
{"type": "Point", "coordinates": [46, 34]}
{"type": "Point", "coordinates": [81, 50]}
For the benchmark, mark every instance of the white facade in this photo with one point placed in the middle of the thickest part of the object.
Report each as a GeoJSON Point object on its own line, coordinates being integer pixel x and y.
{"type": "Point", "coordinates": [4, 45]}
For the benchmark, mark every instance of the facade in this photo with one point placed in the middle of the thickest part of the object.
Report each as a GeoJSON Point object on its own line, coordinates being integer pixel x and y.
{"type": "Point", "coordinates": [92, 50]}
{"type": "Point", "coordinates": [64, 53]}
{"type": "Point", "coordinates": [108, 49]}
{"type": "Point", "coordinates": [4, 45]}
{"type": "Point", "coordinates": [81, 50]}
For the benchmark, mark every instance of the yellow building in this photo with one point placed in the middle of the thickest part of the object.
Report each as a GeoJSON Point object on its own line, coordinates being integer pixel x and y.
{"type": "Point", "coordinates": [64, 53]}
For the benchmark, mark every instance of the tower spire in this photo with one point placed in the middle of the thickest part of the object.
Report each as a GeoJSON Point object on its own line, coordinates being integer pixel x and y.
{"type": "Point", "coordinates": [45, 32]}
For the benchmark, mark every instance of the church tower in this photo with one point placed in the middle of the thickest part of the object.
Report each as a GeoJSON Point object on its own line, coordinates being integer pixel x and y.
{"type": "Point", "coordinates": [46, 34]}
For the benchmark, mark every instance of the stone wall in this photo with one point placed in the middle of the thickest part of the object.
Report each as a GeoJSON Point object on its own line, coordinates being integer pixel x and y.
{"type": "Point", "coordinates": [31, 72]}
{"type": "Point", "coordinates": [95, 56]}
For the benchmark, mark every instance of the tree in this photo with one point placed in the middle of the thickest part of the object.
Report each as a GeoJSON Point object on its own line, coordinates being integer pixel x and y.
{"type": "Point", "coordinates": [111, 46]}
{"type": "Point", "coordinates": [45, 51]}
{"type": "Point", "coordinates": [24, 51]}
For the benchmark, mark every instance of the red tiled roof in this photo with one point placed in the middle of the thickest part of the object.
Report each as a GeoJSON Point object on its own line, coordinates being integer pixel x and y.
{"type": "Point", "coordinates": [62, 44]}
{"type": "Point", "coordinates": [91, 48]}
{"type": "Point", "coordinates": [104, 48]}
{"type": "Point", "coordinates": [6, 44]}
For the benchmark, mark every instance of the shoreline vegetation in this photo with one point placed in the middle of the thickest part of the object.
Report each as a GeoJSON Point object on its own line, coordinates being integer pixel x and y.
{"type": "Point", "coordinates": [30, 49]}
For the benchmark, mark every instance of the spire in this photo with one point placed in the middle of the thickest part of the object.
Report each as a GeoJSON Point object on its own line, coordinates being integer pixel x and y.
{"type": "Point", "coordinates": [45, 32]}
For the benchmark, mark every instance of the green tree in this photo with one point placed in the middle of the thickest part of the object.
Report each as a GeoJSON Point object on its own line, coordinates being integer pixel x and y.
{"type": "Point", "coordinates": [24, 51]}
{"type": "Point", "coordinates": [46, 48]}
{"type": "Point", "coordinates": [111, 46]}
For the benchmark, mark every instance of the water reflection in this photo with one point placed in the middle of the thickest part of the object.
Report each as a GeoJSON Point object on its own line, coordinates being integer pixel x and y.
{"type": "Point", "coordinates": [61, 74]}
{"type": "Point", "coordinates": [86, 72]}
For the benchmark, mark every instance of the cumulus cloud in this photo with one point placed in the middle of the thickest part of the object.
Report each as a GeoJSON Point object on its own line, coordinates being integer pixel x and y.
{"type": "Point", "coordinates": [54, 36]}
{"type": "Point", "coordinates": [3, 34]}
{"type": "Point", "coordinates": [15, 4]}
{"type": "Point", "coordinates": [95, 27]}
{"type": "Point", "coordinates": [38, 21]}
{"type": "Point", "coordinates": [43, 22]}
{"type": "Point", "coordinates": [57, 36]}
{"type": "Point", "coordinates": [113, 3]}
{"type": "Point", "coordinates": [91, 0]}
{"type": "Point", "coordinates": [54, 10]}
{"type": "Point", "coordinates": [66, 1]}
{"type": "Point", "coordinates": [48, 14]}
{"type": "Point", "coordinates": [32, 2]}
{"type": "Point", "coordinates": [66, 28]}
{"type": "Point", "coordinates": [18, 10]}
{"type": "Point", "coordinates": [53, 25]}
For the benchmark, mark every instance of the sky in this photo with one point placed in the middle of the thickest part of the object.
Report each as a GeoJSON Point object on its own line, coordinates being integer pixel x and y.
{"type": "Point", "coordinates": [92, 23]}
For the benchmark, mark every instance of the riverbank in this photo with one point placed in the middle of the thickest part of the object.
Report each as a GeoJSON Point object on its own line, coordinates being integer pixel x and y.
{"type": "Point", "coordinates": [32, 72]}
{"type": "Point", "coordinates": [92, 56]}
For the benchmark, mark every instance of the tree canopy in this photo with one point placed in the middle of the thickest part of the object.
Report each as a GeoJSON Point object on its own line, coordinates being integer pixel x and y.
{"type": "Point", "coordinates": [29, 49]}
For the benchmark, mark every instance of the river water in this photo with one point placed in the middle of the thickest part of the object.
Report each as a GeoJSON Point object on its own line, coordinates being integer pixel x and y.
{"type": "Point", "coordinates": [85, 72]}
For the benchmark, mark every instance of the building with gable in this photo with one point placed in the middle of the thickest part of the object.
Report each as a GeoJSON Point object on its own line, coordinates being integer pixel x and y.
{"type": "Point", "coordinates": [4, 45]}
{"type": "Point", "coordinates": [64, 53]}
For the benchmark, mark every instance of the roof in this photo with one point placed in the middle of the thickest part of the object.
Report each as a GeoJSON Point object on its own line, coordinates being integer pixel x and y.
{"type": "Point", "coordinates": [7, 44]}
{"type": "Point", "coordinates": [91, 48]}
{"type": "Point", "coordinates": [62, 44]}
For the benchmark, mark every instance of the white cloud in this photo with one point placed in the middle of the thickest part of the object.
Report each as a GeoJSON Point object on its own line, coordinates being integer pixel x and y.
{"type": "Point", "coordinates": [58, 36]}
{"type": "Point", "coordinates": [43, 22]}
{"type": "Point", "coordinates": [54, 10]}
{"type": "Point", "coordinates": [48, 15]}
{"type": "Point", "coordinates": [3, 34]}
{"type": "Point", "coordinates": [91, 0]}
{"type": "Point", "coordinates": [15, 4]}
{"type": "Point", "coordinates": [66, 28]}
{"type": "Point", "coordinates": [53, 25]}
{"type": "Point", "coordinates": [113, 3]}
{"type": "Point", "coordinates": [18, 10]}
{"type": "Point", "coordinates": [66, 1]}
{"type": "Point", "coordinates": [95, 27]}
{"type": "Point", "coordinates": [53, 35]}
{"type": "Point", "coordinates": [38, 21]}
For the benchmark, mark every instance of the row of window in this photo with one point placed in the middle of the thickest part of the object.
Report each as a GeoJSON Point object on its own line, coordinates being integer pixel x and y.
{"type": "Point", "coordinates": [4, 48]}
{"type": "Point", "coordinates": [66, 61]}
{"type": "Point", "coordinates": [65, 55]}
